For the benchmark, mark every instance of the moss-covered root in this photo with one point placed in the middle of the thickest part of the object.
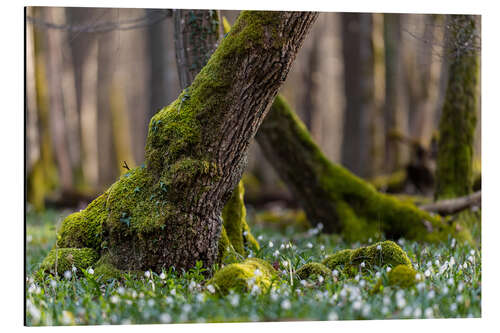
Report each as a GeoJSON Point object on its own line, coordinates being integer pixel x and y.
{"type": "Point", "coordinates": [62, 260]}
{"type": "Point", "coordinates": [385, 253]}
{"type": "Point", "coordinates": [236, 229]}
{"type": "Point", "coordinates": [313, 270]}
{"type": "Point", "coordinates": [241, 277]}
{"type": "Point", "coordinates": [332, 195]}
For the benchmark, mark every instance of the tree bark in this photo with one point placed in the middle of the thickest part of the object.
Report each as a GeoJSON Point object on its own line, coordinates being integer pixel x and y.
{"type": "Point", "coordinates": [396, 115]}
{"type": "Point", "coordinates": [334, 197]}
{"type": "Point", "coordinates": [167, 213]}
{"type": "Point", "coordinates": [458, 118]}
{"type": "Point", "coordinates": [359, 91]}
{"type": "Point", "coordinates": [196, 35]}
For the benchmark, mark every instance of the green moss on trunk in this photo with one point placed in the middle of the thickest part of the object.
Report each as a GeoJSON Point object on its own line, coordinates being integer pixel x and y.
{"type": "Point", "coordinates": [62, 260]}
{"type": "Point", "coordinates": [235, 224]}
{"type": "Point", "coordinates": [458, 119]}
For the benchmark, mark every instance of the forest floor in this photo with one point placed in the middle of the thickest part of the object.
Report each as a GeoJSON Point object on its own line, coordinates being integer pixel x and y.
{"type": "Point", "coordinates": [451, 286]}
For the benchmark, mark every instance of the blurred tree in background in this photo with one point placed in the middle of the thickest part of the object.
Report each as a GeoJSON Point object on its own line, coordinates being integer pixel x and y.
{"type": "Point", "coordinates": [369, 87]}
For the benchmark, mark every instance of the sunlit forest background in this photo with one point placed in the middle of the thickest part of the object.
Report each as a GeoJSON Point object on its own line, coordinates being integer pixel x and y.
{"type": "Point", "coordinates": [369, 87]}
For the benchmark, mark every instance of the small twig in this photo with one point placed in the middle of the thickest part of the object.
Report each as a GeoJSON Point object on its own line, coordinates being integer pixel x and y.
{"type": "Point", "coordinates": [452, 206]}
{"type": "Point", "coordinates": [125, 165]}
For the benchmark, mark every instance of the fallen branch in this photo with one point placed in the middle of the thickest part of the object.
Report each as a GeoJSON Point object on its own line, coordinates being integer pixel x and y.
{"type": "Point", "coordinates": [452, 206]}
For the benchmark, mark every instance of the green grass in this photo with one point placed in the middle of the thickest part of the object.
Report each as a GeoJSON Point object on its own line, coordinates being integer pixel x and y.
{"type": "Point", "coordinates": [448, 290]}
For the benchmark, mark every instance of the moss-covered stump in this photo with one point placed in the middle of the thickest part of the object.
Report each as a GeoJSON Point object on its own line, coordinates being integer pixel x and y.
{"type": "Point", "coordinates": [236, 232]}
{"type": "Point", "coordinates": [168, 211]}
{"type": "Point", "coordinates": [380, 254]}
{"type": "Point", "coordinates": [332, 195]}
{"type": "Point", "coordinates": [64, 259]}
{"type": "Point", "coordinates": [241, 277]}
{"type": "Point", "coordinates": [313, 270]}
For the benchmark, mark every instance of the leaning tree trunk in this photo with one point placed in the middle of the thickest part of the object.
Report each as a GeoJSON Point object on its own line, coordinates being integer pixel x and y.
{"type": "Point", "coordinates": [458, 118]}
{"type": "Point", "coordinates": [333, 196]}
{"type": "Point", "coordinates": [167, 212]}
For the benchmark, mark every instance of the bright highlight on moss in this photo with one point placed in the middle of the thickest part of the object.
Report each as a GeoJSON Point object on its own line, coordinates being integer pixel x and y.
{"type": "Point", "coordinates": [241, 277]}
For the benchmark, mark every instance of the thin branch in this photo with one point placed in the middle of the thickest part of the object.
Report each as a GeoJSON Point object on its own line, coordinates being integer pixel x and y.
{"type": "Point", "coordinates": [105, 26]}
{"type": "Point", "coordinates": [452, 206]}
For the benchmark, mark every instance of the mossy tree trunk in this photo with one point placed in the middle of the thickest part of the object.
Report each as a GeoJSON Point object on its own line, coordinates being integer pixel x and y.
{"type": "Point", "coordinates": [333, 196]}
{"type": "Point", "coordinates": [167, 212]}
{"type": "Point", "coordinates": [195, 28]}
{"type": "Point", "coordinates": [458, 118]}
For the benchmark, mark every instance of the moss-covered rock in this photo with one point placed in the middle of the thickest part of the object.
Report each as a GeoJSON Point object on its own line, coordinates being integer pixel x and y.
{"type": "Point", "coordinates": [313, 270]}
{"type": "Point", "coordinates": [65, 258]}
{"type": "Point", "coordinates": [385, 253]}
{"type": "Point", "coordinates": [339, 258]}
{"type": "Point", "coordinates": [402, 276]}
{"type": "Point", "coordinates": [242, 276]}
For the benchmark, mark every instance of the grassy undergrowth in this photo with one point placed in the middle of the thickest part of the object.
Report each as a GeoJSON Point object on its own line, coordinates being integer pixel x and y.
{"type": "Point", "coordinates": [451, 286]}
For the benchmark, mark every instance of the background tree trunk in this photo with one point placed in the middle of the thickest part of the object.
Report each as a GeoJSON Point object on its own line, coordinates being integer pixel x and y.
{"type": "Point", "coordinates": [396, 114]}
{"type": "Point", "coordinates": [167, 213]}
{"type": "Point", "coordinates": [458, 118]}
{"type": "Point", "coordinates": [359, 91]}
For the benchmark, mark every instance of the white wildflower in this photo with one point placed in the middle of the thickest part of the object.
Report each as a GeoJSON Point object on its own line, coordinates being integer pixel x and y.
{"type": "Point", "coordinates": [67, 275]}
{"type": "Point", "coordinates": [53, 283]}
{"type": "Point", "coordinates": [333, 316]}
{"type": "Point", "coordinates": [211, 288]}
{"type": "Point", "coordinates": [114, 299]}
{"type": "Point", "coordinates": [428, 312]}
{"type": "Point", "coordinates": [379, 247]}
{"type": "Point", "coordinates": [335, 272]}
{"type": "Point", "coordinates": [427, 273]}
{"type": "Point", "coordinates": [235, 300]}
{"type": "Point", "coordinates": [257, 272]}
{"type": "Point", "coordinates": [90, 271]}
{"type": "Point", "coordinates": [388, 269]}
{"type": "Point", "coordinates": [271, 244]}
{"type": "Point", "coordinates": [310, 245]}
{"type": "Point", "coordinates": [147, 274]}
{"type": "Point", "coordinates": [165, 318]}
{"type": "Point", "coordinates": [286, 304]}
{"type": "Point", "coordinates": [162, 276]}
{"type": "Point", "coordinates": [357, 305]}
